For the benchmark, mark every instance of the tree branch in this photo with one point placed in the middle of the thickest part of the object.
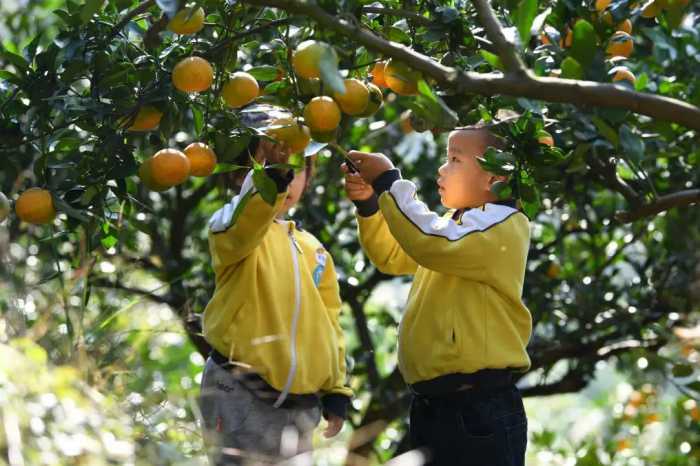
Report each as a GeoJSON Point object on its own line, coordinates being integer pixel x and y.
{"type": "Point", "coordinates": [104, 283]}
{"type": "Point", "coordinates": [141, 8]}
{"type": "Point", "coordinates": [580, 93]}
{"type": "Point", "coordinates": [415, 17]}
{"type": "Point", "coordinates": [505, 49]}
{"type": "Point", "coordinates": [663, 203]}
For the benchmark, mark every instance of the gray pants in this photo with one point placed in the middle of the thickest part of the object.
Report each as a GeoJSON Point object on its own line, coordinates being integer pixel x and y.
{"type": "Point", "coordinates": [240, 429]}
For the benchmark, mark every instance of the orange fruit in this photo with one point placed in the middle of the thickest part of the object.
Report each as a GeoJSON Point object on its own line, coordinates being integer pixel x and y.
{"type": "Point", "coordinates": [400, 78]}
{"type": "Point", "coordinates": [636, 399]}
{"type": "Point", "coordinates": [544, 38]}
{"type": "Point", "coordinates": [625, 26]}
{"type": "Point", "coordinates": [193, 74]}
{"type": "Point", "coordinates": [695, 413]}
{"type": "Point", "coordinates": [308, 55]}
{"type": "Point", "coordinates": [240, 90]}
{"type": "Point", "coordinates": [607, 18]}
{"type": "Point", "coordinates": [621, 73]}
{"type": "Point", "coordinates": [568, 39]}
{"type": "Point", "coordinates": [620, 45]}
{"type": "Point", "coordinates": [146, 175]}
{"type": "Point", "coordinates": [187, 21]}
{"type": "Point", "coordinates": [287, 130]}
{"type": "Point", "coordinates": [169, 167]}
{"type": "Point", "coordinates": [202, 159]}
{"type": "Point", "coordinates": [543, 137]}
{"type": "Point", "coordinates": [4, 206]}
{"type": "Point", "coordinates": [355, 99]}
{"type": "Point", "coordinates": [554, 270]}
{"type": "Point", "coordinates": [651, 418]}
{"type": "Point", "coordinates": [600, 5]}
{"type": "Point", "coordinates": [147, 119]}
{"type": "Point", "coordinates": [652, 10]}
{"type": "Point", "coordinates": [322, 114]}
{"type": "Point", "coordinates": [623, 444]}
{"type": "Point", "coordinates": [376, 99]}
{"type": "Point", "coordinates": [378, 74]}
{"type": "Point", "coordinates": [35, 205]}
{"type": "Point", "coordinates": [405, 122]}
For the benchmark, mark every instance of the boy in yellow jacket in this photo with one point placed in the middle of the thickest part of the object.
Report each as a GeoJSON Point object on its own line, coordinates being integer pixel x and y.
{"type": "Point", "coordinates": [273, 324]}
{"type": "Point", "coordinates": [465, 328]}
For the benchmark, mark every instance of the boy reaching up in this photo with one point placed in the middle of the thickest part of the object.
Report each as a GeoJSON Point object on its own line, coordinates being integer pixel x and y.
{"type": "Point", "coordinates": [465, 328]}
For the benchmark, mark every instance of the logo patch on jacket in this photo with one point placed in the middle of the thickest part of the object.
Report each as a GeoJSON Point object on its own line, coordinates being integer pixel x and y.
{"type": "Point", "coordinates": [320, 265]}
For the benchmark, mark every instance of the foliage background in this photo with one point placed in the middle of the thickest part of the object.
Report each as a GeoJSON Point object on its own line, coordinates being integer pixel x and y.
{"type": "Point", "coordinates": [96, 363]}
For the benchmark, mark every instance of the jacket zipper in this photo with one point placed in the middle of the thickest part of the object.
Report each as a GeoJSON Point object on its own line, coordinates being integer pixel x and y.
{"type": "Point", "coordinates": [296, 250]}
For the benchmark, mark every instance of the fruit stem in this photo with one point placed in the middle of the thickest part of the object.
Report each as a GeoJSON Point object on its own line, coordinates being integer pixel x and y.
{"type": "Point", "coordinates": [344, 153]}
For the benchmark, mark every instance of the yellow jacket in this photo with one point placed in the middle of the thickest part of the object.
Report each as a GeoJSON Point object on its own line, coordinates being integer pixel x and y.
{"type": "Point", "coordinates": [276, 304]}
{"type": "Point", "coordinates": [464, 310]}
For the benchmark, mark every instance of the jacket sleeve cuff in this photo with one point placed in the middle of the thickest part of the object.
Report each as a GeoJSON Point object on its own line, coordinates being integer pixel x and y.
{"type": "Point", "coordinates": [385, 180]}
{"type": "Point", "coordinates": [281, 179]}
{"type": "Point", "coordinates": [336, 404]}
{"type": "Point", "coordinates": [368, 207]}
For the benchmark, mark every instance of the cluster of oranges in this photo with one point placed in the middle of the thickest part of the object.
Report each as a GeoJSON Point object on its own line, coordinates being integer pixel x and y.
{"type": "Point", "coordinates": [619, 46]}
{"type": "Point", "coordinates": [321, 115]}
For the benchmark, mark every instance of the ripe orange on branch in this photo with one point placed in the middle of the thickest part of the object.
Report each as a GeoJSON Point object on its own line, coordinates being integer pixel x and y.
{"type": "Point", "coordinates": [622, 73]}
{"type": "Point", "coordinates": [376, 98]}
{"type": "Point", "coordinates": [307, 58]}
{"type": "Point", "coordinates": [35, 205]}
{"type": "Point", "coordinates": [355, 99]}
{"type": "Point", "coordinates": [620, 45]}
{"type": "Point", "coordinates": [400, 78]}
{"type": "Point", "coordinates": [193, 74]}
{"type": "Point", "coordinates": [169, 167]}
{"type": "Point", "coordinates": [377, 74]}
{"type": "Point", "coordinates": [289, 131]}
{"type": "Point", "coordinates": [322, 114]}
{"type": "Point", "coordinates": [202, 159]}
{"type": "Point", "coordinates": [240, 90]}
{"type": "Point", "coordinates": [147, 119]}
{"type": "Point", "coordinates": [187, 21]}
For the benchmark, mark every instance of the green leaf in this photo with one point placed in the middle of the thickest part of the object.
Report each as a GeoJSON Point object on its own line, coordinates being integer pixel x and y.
{"type": "Point", "coordinates": [604, 129]}
{"type": "Point", "coordinates": [682, 370]}
{"type": "Point", "coordinates": [263, 73]}
{"type": "Point", "coordinates": [17, 60]}
{"type": "Point", "coordinates": [641, 82]}
{"type": "Point", "coordinates": [198, 119]}
{"type": "Point", "coordinates": [695, 386]}
{"type": "Point", "coordinates": [265, 185]}
{"type": "Point", "coordinates": [492, 59]}
{"type": "Point", "coordinates": [524, 16]}
{"type": "Point", "coordinates": [585, 41]}
{"type": "Point", "coordinates": [571, 69]}
{"type": "Point", "coordinates": [228, 167]}
{"type": "Point", "coordinates": [89, 9]}
{"type": "Point", "coordinates": [632, 144]}
{"type": "Point", "coordinates": [397, 35]}
{"type": "Point", "coordinates": [109, 241]}
{"type": "Point", "coordinates": [328, 67]}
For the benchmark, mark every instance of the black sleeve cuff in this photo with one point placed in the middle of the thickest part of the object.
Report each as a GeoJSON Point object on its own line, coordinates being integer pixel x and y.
{"type": "Point", "coordinates": [368, 207]}
{"type": "Point", "coordinates": [282, 180]}
{"type": "Point", "coordinates": [385, 180]}
{"type": "Point", "coordinates": [336, 404]}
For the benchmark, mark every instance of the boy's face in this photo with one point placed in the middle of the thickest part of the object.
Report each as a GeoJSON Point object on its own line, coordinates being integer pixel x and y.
{"type": "Point", "coordinates": [462, 182]}
{"type": "Point", "coordinates": [296, 189]}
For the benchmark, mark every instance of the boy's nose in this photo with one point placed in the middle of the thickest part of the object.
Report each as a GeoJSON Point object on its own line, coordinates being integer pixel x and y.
{"type": "Point", "coordinates": [441, 169]}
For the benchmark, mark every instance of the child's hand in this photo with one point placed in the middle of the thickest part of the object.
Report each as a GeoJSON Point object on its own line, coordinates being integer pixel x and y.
{"type": "Point", "coordinates": [370, 165]}
{"type": "Point", "coordinates": [335, 424]}
{"type": "Point", "coordinates": [355, 187]}
{"type": "Point", "coordinates": [274, 153]}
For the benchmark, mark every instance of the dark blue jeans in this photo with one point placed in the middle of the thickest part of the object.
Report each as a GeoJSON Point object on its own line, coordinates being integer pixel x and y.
{"type": "Point", "coordinates": [470, 428]}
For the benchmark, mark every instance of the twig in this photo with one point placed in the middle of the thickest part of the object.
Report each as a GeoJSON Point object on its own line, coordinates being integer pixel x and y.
{"type": "Point", "coordinates": [141, 8]}
{"type": "Point", "coordinates": [506, 50]}
{"type": "Point", "coordinates": [669, 201]}
{"type": "Point", "coordinates": [415, 17]}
